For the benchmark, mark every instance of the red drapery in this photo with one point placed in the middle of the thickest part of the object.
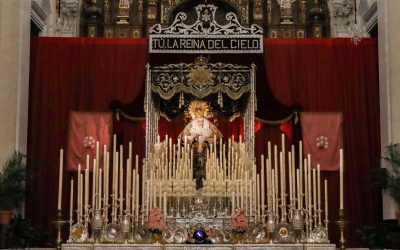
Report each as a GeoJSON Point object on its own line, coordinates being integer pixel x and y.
{"type": "Point", "coordinates": [316, 74]}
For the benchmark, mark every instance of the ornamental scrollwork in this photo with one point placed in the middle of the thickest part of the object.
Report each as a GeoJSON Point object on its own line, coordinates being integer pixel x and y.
{"type": "Point", "coordinates": [206, 24]}
{"type": "Point", "coordinates": [201, 79]}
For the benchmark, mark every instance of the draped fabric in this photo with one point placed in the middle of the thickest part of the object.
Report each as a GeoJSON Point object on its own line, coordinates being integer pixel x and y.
{"type": "Point", "coordinates": [85, 128]}
{"type": "Point", "coordinates": [319, 75]}
{"type": "Point", "coordinates": [322, 138]}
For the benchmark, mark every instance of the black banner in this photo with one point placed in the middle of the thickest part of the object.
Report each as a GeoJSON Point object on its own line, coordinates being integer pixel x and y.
{"type": "Point", "coordinates": [206, 44]}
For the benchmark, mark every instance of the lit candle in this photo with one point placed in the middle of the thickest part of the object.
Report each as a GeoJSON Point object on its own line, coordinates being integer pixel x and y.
{"type": "Point", "coordinates": [71, 201]}
{"type": "Point", "coordinates": [60, 179]}
{"type": "Point", "coordinates": [341, 178]}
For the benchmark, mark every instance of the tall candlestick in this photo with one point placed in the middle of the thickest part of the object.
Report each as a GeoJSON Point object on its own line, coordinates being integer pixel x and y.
{"type": "Point", "coordinates": [341, 177]}
{"type": "Point", "coordinates": [71, 201]}
{"type": "Point", "coordinates": [100, 188]}
{"type": "Point", "coordinates": [94, 191]}
{"type": "Point", "coordinates": [128, 183]}
{"type": "Point", "coordinates": [305, 185]}
{"type": "Point", "coordinates": [290, 177]}
{"type": "Point", "coordinates": [314, 182]}
{"type": "Point", "coordinates": [87, 184]}
{"type": "Point", "coordinates": [326, 199]}
{"type": "Point", "coordinates": [273, 190]}
{"type": "Point", "coordinates": [258, 194]}
{"type": "Point", "coordinates": [262, 186]}
{"type": "Point", "coordinates": [298, 188]}
{"type": "Point", "coordinates": [81, 195]}
{"type": "Point", "coordinates": [319, 186]}
{"type": "Point", "coordinates": [60, 179]}
{"type": "Point", "coordinates": [79, 201]}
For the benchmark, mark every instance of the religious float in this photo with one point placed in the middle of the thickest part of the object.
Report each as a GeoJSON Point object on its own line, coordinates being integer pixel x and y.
{"type": "Point", "coordinates": [201, 189]}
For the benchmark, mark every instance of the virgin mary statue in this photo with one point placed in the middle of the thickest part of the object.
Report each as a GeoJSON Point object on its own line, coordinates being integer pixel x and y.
{"type": "Point", "coordinates": [200, 132]}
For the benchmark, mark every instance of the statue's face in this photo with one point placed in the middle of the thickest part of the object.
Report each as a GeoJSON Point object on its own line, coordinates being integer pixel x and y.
{"type": "Point", "coordinates": [200, 122]}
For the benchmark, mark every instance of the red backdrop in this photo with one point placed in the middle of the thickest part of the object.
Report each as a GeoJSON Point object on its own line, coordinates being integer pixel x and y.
{"type": "Point", "coordinates": [313, 74]}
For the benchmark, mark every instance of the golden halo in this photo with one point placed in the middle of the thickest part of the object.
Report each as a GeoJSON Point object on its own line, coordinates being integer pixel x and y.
{"type": "Point", "coordinates": [198, 109]}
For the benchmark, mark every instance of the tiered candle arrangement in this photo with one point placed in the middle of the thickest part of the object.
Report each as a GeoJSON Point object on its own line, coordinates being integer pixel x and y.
{"type": "Point", "coordinates": [284, 197]}
{"type": "Point", "coordinates": [171, 184]}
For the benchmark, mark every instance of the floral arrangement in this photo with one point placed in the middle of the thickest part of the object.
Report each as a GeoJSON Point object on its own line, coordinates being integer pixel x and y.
{"type": "Point", "coordinates": [238, 221]}
{"type": "Point", "coordinates": [156, 220]}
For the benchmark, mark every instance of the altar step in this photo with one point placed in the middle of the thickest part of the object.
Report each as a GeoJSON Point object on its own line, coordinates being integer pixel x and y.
{"type": "Point", "coordinates": [198, 247]}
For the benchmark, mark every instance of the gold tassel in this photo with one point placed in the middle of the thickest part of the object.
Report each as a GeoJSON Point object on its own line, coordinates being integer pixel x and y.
{"type": "Point", "coordinates": [181, 100]}
{"type": "Point", "coordinates": [220, 100]}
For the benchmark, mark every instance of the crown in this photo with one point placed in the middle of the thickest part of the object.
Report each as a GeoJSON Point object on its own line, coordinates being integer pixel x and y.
{"type": "Point", "coordinates": [201, 60]}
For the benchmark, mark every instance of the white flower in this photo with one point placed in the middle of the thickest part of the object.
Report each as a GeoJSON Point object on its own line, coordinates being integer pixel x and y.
{"type": "Point", "coordinates": [89, 141]}
{"type": "Point", "coordinates": [322, 142]}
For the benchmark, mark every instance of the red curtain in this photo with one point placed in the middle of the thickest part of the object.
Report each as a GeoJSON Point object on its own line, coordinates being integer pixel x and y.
{"type": "Point", "coordinates": [334, 75]}
{"type": "Point", "coordinates": [83, 75]}
{"type": "Point", "coordinates": [311, 74]}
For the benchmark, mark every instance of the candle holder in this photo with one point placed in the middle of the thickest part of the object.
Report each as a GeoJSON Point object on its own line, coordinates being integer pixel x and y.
{"type": "Point", "coordinates": [298, 224]}
{"type": "Point", "coordinates": [97, 223]}
{"type": "Point", "coordinates": [270, 225]}
{"type": "Point", "coordinates": [59, 223]}
{"type": "Point", "coordinates": [126, 226]}
{"type": "Point", "coordinates": [342, 223]}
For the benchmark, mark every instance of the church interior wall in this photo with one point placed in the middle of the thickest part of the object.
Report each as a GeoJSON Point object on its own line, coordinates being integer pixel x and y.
{"type": "Point", "coordinates": [14, 75]}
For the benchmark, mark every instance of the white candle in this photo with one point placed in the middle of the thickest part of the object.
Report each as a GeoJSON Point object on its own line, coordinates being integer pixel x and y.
{"type": "Point", "coordinates": [258, 194]}
{"type": "Point", "coordinates": [87, 185]}
{"type": "Point", "coordinates": [80, 194]}
{"type": "Point", "coordinates": [133, 192]}
{"type": "Point", "coordinates": [79, 198]}
{"type": "Point", "coordinates": [319, 186]}
{"type": "Point", "coordinates": [60, 179]}
{"type": "Point", "coordinates": [290, 177]}
{"type": "Point", "coordinates": [121, 190]}
{"type": "Point", "coordinates": [298, 188]}
{"type": "Point", "coordinates": [262, 186]}
{"type": "Point", "coordinates": [305, 184]}
{"type": "Point", "coordinates": [128, 184]}
{"type": "Point", "coordinates": [314, 182]}
{"type": "Point", "coordinates": [71, 201]}
{"type": "Point", "coordinates": [165, 204]}
{"type": "Point", "coordinates": [341, 177]}
{"type": "Point", "coordinates": [273, 190]}
{"type": "Point", "coordinates": [326, 199]}
{"type": "Point", "coordinates": [94, 191]}
{"type": "Point", "coordinates": [100, 188]}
